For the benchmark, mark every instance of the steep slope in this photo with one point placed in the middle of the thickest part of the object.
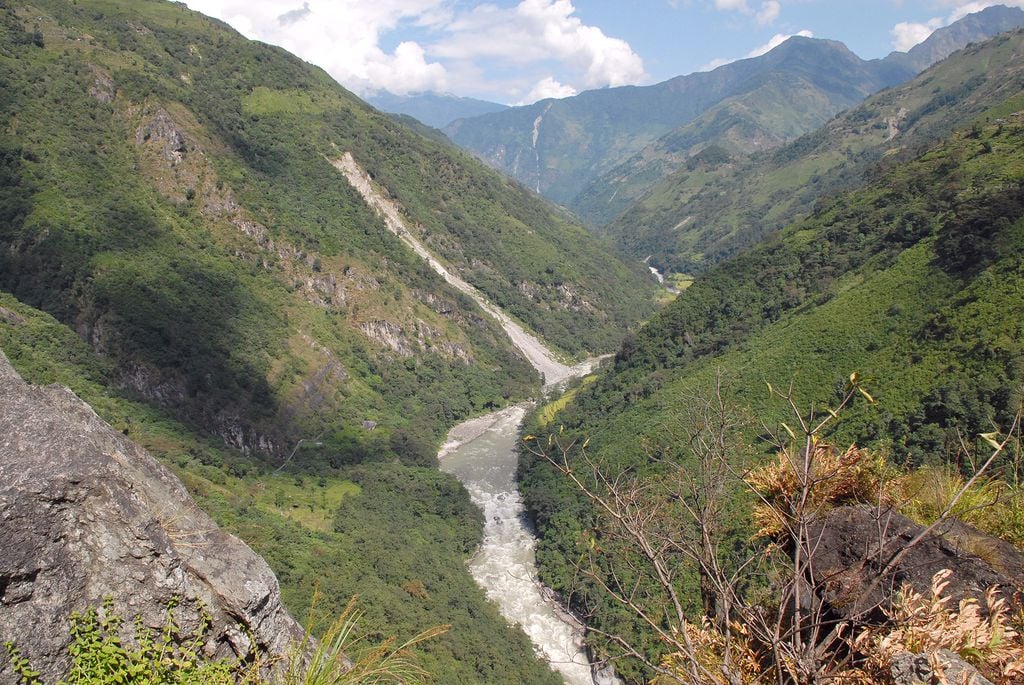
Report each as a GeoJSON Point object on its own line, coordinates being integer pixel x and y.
{"type": "Point", "coordinates": [171, 196]}
{"type": "Point", "coordinates": [557, 146]}
{"type": "Point", "coordinates": [395, 535]}
{"type": "Point", "coordinates": [87, 513]}
{"type": "Point", "coordinates": [177, 247]}
{"type": "Point", "coordinates": [718, 204]}
{"type": "Point", "coordinates": [778, 111]}
{"type": "Point", "coordinates": [911, 280]}
{"type": "Point", "coordinates": [433, 109]}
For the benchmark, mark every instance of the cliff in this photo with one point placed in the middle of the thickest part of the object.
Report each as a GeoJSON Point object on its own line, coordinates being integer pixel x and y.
{"type": "Point", "coordinates": [86, 514]}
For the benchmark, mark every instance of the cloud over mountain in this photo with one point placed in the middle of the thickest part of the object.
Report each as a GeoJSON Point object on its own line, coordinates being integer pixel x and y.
{"type": "Point", "coordinates": [546, 49]}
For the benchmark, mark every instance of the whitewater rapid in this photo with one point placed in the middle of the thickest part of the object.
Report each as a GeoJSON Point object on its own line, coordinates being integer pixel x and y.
{"type": "Point", "coordinates": [481, 453]}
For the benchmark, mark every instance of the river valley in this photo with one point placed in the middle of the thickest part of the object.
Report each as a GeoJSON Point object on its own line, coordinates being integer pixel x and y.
{"type": "Point", "coordinates": [481, 453]}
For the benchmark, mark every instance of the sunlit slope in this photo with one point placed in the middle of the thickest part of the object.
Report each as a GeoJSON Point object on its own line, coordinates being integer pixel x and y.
{"type": "Point", "coordinates": [913, 280]}
{"type": "Point", "coordinates": [719, 203]}
{"type": "Point", "coordinates": [169, 195]}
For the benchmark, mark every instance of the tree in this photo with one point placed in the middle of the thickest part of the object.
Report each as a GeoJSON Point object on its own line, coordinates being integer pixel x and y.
{"type": "Point", "coordinates": [676, 520]}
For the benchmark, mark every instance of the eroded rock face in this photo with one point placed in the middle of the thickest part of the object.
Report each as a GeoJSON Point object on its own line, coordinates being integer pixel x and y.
{"type": "Point", "coordinates": [85, 514]}
{"type": "Point", "coordinates": [847, 559]}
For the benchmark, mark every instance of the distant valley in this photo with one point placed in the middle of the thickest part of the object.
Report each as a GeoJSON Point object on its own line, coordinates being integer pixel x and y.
{"type": "Point", "coordinates": [600, 151]}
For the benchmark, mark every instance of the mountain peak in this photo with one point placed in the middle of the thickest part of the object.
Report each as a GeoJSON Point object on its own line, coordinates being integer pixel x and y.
{"type": "Point", "coordinates": [974, 27]}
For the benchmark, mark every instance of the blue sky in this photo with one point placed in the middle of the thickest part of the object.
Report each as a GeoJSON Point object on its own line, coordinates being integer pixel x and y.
{"type": "Point", "coordinates": [518, 51]}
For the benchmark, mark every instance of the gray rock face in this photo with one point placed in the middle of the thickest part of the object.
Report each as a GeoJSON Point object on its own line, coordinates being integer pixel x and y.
{"type": "Point", "coordinates": [915, 669]}
{"type": "Point", "coordinates": [85, 513]}
{"type": "Point", "coordinates": [846, 559]}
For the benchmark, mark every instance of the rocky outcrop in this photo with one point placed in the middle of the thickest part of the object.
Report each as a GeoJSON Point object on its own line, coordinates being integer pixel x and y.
{"type": "Point", "coordinates": [847, 560]}
{"type": "Point", "coordinates": [941, 667]}
{"type": "Point", "coordinates": [87, 514]}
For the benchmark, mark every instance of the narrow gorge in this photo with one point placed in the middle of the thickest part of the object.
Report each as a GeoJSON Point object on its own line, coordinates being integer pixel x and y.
{"type": "Point", "coordinates": [481, 454]}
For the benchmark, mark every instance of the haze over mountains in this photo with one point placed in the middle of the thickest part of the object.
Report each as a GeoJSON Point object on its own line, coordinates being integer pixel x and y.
{"type": "Point", "coordinates": [433, 109]}
{"type": "Point", "coordinates": [719, 203]}
{"type": "Point", "coordinates": [579, 151]}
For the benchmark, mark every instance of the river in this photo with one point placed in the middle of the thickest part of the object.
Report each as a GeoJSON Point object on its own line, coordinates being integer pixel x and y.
{"type": "Point", "coordinates": [481, 453]}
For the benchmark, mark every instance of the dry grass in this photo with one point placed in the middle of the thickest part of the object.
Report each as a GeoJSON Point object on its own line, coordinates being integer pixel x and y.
{"type": "Point", "coordinates": [925, 624]}
{"type": "Point", "coordinates": [991, 505]}
{"type": "Point", "coordinates": [856, 475]}
{"type": "Point", "coordinates": [709, 649]}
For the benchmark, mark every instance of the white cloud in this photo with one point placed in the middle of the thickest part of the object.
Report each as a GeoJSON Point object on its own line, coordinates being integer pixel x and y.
{"type": "Point", "coordinates": [548, 87]}
{"type": "Point", "coordinates": [777, 40]}
{"type": "Point", "coordinates": [774, 42]}
{"type": "Point", "coordinates": [454, 48]}
{"type": "Point", "coordinates": [769, 12]}
{"type": "Point", "coordinates": [766, 14]}
{"type": "Point", "coordinates": [342, 36]}
{"type": "Point", "coordinates": [906, 35]}
{"type": "Point", "coordinates": [715, 63]}
{"type": "Point", "coordinates": [537, 31]}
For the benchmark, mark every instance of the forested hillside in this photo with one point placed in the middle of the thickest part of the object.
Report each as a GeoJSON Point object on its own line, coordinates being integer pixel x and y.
{"type": "Point", "coordinates": [176, 246]}
{"type": "Point", "coordinates": [912, 280]}
{"type": "Point", "coordinates": [790, 101]}
{"type": "Point", "coordinates": [155, 185]}
{"type": "Point", "coordinates": [557, 147]}
{"type": "Point", "coordinates": [719, 203]}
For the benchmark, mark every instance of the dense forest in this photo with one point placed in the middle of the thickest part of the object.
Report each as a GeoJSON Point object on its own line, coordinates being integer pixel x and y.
{"type": "Point", "coordinates": [178, 249]}
{"type": "Point", "coordinates": [909, 280]}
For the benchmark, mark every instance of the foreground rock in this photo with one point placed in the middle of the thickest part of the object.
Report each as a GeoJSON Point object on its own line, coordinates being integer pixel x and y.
{"type": "Point", "coordinates": [847, 559]}
{"type": "Point", "coordinates": [914, 669]}
{"type": "Point", "coordinates": [85, 514]}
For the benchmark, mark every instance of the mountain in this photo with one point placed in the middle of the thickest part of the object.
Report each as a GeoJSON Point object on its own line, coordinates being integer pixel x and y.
{"type": "Point", "coordinates": [557, 146]}
{"type": "Point", "coordinates": [719, 203]}
{"type": "Point", "coordinates": [908, 277]}
{"type": "Point", "coordinates": [778, 112]}
{"type": "Point", "coordinates": [600, 150]}
{"type": "Point", "coordinates": [156, 186]}
{"type": "Point", "coordinates": [972, 28]}
{"type": "Point", "coordinates": [433, 109]}
{"type": "Point", "coordinates": [179, 245]}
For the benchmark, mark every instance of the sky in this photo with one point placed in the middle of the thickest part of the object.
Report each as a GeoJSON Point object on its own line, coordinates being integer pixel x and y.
{"type": "Point", "coordinates": [520, 51]}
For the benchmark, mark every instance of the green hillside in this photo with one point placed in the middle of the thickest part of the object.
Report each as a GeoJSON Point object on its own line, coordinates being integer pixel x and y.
{"type": "Point", "coordinates": [558, 147]}
{"type": "Point", "coordinates": [791, 97]}
{"type": "Point", "coordinates": [395, 535]}
{"type": "Point", "coordinates": [795, 97]}
{"type": "Point", "coordinates": [176, 246]}
{"type": "Point", "coordinates": [718, 203]}
{"type": "Point", "coordinates": [171, 198]}
{"type": "Point", "coordinates": [912, 280]}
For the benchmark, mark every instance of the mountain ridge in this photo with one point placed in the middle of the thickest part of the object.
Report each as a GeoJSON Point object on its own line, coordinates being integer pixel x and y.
{"type": "Point", "coordinates": [433, 109]}
{"type": "Point", "coordinates": [631, 120]}
{"type": "Point", "coordinates": [717, 204]}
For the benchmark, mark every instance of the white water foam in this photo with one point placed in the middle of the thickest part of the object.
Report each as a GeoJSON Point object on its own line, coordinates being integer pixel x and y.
{"type": "Point", "coordinates": [505, 563]}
